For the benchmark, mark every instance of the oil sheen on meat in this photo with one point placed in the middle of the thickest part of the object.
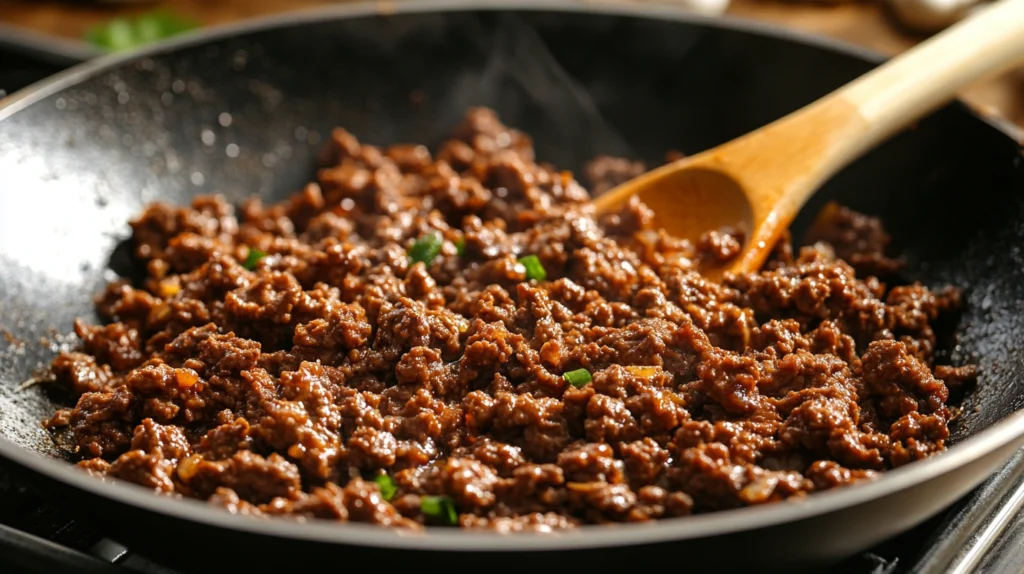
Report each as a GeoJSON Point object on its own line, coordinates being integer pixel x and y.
{"type": "Point", "coordinates": [338, 378]}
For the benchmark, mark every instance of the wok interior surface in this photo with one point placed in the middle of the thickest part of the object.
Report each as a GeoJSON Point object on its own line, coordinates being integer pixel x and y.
{"type": "Point", "coordinates": [77, 164]}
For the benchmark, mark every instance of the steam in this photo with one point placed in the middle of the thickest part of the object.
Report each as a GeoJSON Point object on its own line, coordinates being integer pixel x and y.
{"type": "Point", "coordinates": [518, 64]}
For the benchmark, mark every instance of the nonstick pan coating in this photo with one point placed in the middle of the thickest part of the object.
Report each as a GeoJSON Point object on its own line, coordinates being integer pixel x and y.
{"type": "Point", "coordinates": [82, 153]}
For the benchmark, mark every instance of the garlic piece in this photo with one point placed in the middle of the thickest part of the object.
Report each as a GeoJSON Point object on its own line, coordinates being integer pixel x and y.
{"type": "Point", "coordinates": [930, 15]}
{"type": "Point", "coordinates": [708, 7]}
{"type": "Point", "coordinates": [711, 6]}
{"type": "Point", "coordinates": [643, 372]}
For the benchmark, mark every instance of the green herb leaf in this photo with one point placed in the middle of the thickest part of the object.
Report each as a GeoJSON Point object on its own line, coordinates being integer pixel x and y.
{"type": "Point", "coordinates": [534, 268]}
{"type": "Point", "coordinates": [460, 246]}
{"type": "Point", "coordinates": [426, 248]}
{"type": "Point", "coordinates": [125, 34]}
{"type": "Point", "coordinates": [578, 378]}
{"type": "Point", "coordinates": [254, 256]}
{"type": "Point", "coordinates": [387, 486]}
{"type": "Point", "coordinates": [114, 35]}
{"type": "Point", "coordinates": [439, 508]}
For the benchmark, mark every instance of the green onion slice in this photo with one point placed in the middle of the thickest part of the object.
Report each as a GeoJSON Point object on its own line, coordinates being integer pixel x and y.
{"type": "Point", "coordinates": [534, 268]}
{"type": "Point", "coordinates": [460, 246]}
{"type": "Point", "coordinates": [426, 248]}
{"type": "Point", "coordinates": [439, 508]}
{"type": "Point", "coordinates": [254, 256]}
{"type": "Point", "coordinates": [578, 378]}
{"type": "Point", "coordinates": [387, 486]}
{"type": "Point", "coordinates": [127, 33]}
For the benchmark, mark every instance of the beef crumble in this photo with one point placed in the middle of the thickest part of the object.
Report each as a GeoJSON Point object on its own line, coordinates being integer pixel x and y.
{"type": "Point", "coordinates": [457, 338]}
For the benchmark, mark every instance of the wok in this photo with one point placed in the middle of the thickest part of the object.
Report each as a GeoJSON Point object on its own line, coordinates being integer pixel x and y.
{"type": "Point", "coordinates": [83, 151]}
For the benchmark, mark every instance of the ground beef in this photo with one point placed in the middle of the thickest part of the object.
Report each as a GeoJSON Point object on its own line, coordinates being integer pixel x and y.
{"type": "Point", "coordinates": [380, 348]}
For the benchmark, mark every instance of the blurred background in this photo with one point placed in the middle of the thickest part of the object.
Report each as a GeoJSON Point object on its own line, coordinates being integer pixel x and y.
{"type": "Point", "coordinates": [886, 26]}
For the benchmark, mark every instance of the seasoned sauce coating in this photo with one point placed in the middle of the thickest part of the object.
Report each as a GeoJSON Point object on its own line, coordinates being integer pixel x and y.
{"type": "Point", "coordinates": [380, 348]}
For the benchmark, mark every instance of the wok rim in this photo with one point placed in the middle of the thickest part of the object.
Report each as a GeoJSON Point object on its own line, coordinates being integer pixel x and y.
{"type": "Point", "coordinates": [971, 449]}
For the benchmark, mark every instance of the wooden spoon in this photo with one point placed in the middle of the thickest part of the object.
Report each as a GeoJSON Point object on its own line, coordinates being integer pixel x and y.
{"type": "Point", "coordinates": [758, 182]}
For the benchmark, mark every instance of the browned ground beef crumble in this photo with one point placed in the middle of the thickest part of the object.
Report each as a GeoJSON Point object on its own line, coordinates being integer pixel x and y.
{"type": "Point", "coordinates": [290, 388]}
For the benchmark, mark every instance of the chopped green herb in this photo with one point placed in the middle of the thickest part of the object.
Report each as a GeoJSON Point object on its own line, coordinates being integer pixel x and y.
{"type": "Point", "coordinates": [426, 248]}
{"type": "Point", "coordinates": [387, 486]}
{"type": "Point", "coordinates": [254, 256]}
{"type": "Point", "coordinates": [439, 508]}
{"type": "Point", "coordinates": [460, 246]}
{"type": "Point", "coordinates": [577, 378]}
{"type": "Point", "coordinates": [125, 34]}
{"type": "Point", "coordinates": [534, 268]}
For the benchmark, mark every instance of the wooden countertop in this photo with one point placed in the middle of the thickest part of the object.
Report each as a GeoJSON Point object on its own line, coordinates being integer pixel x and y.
{"type": "Point", "coordinates": [862, 23]}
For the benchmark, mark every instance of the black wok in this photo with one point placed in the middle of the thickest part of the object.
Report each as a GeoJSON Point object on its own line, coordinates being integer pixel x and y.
{"type": "Point", "coordinates": [82, 152]}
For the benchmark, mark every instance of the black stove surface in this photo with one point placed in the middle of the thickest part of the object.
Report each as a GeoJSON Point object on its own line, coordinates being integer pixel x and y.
{"type": "Point", "coordinates": [37, 535]}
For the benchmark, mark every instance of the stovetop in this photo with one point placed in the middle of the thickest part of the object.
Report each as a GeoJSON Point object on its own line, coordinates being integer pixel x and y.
{"type": "Point", "coordinates": [982, 533]}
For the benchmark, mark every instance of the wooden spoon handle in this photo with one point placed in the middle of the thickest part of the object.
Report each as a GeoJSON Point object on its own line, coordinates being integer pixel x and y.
{"type": "Point", "coordinates": [913, 84]}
